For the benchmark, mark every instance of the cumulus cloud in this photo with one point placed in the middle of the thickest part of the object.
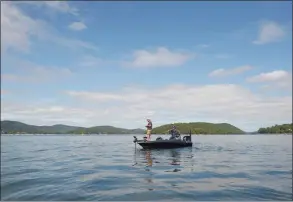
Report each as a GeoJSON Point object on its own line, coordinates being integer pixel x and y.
{"type": "Point", "coordinates": [96, 96]}
{"type": "Point", "coordinates": [193, 103]}
{"type": "Point", "coordinates": [77, 26]}
{"type": "Point", "coordinates": [160, 58]}
{"type": "Point", "coordinates": [277, 78]}
{"type": "Point", "coordinates": [61, 6]}
{"type": "Point", "coordinates": [40, 114]}
{"type": "Point", "coordinates": [228, 72]}
{"type": "Point", "coordinates": [270, 76]}
{"type": "Point", "coordinates": [18, 30]}
{"type": "Point", "coordinates": [269, 32]}
{"type": "Point", "coordinates": [130, 106]}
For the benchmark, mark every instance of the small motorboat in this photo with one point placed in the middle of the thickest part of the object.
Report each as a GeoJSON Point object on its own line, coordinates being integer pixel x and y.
{"type": "Point", "coordinates": [159, 143]}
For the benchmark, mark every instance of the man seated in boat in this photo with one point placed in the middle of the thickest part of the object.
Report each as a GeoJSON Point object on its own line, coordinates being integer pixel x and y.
{"type": "Point", "coordinates": [174, 133]}
{"type": "Point", "coordinates": [149, 127]}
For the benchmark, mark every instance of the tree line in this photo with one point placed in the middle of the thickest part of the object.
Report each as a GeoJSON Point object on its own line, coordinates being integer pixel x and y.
{"type": "Point", "coordinates": [284, 128]}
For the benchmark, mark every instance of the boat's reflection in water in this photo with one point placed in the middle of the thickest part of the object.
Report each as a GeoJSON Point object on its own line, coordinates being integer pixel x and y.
{"type": "Point", "coordinates": [175, 157]}
{"type": "Point", "coordinates": [163, 158]}
{"type": "Point", "coordinates": [157, 165]}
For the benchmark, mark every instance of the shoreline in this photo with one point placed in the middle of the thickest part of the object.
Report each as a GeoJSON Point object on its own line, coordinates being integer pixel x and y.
{"type": "Point", "coordinates": [140, 134]}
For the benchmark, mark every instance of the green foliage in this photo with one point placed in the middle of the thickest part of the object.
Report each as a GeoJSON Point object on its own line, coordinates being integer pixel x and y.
{"type": "Point", "coordinates": [106, 130]}
{"type": "Point", "coordinates": [284, 128]}
{"type": "Point", "coordinates": [199, 128]}
{"type": "Point", "coordinates": [14, 127]}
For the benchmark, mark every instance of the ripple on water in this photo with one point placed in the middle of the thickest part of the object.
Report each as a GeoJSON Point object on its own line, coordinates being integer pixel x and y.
{"type": "Point", "coordinates": [110, 168]}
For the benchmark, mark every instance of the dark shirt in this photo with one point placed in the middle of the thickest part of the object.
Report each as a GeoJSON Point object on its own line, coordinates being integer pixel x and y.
{"type": "Point", "coordinates": [149, 126]}
{"type": "Point", "coordinates": [174, 132]}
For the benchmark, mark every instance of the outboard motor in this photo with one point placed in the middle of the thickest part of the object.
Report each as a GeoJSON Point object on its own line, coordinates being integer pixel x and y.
{"type": "Point", "coordinates": [187, 138]}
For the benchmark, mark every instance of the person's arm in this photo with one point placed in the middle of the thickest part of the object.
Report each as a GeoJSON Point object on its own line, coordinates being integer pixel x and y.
{"type": "Point", "coordinates": [149, 125]}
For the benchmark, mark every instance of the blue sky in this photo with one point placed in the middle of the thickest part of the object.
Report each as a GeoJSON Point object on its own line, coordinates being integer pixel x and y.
{"type": "Point", "coordinates": [118, 63]}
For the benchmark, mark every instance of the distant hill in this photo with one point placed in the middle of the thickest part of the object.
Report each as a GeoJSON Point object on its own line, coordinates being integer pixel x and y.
{"type": "Point", "coordinates": [106, 130]}
{"type": "Point", "coordinates": [200, 128]}
{"type": "Point", "coordinates": [284, 128]}
{"type": "Point", "coordinates": [13, 127]}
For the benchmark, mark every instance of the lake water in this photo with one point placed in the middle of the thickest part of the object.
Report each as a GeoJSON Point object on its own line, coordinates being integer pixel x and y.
{"type": "Point", "coordinates": [217, 167]}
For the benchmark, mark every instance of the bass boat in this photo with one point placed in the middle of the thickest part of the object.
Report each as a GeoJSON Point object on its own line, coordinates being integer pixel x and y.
{"type": "Point", "coordinates": [160, 143]}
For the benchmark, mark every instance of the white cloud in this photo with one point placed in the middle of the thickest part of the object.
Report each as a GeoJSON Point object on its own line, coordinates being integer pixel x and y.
{"type": "Point", "coordinates": [179, 103]}
{"type": "Point", "coordinates": [229, 72]}
{"type": "Point", "coordinates": [270, 76]}
{"type": "Point", "coordinates": [96, 96]}
{"type": "Point", "coordinates": [59, 6]}
{"type": "Point", "coordinates": [77, 26]}
{"type": "Point", "coordinates": [159, 58]}
{"type": "Point", "coordinates": [269, 32]}
{"type": "Point", "coordinates": [18, 30]}
{"type": "Point", "coordinates": [47, 114]}
{"type": "Point", "coordinates": [277, 78]}
{"type": "Point", "coordinates": [130, 106]}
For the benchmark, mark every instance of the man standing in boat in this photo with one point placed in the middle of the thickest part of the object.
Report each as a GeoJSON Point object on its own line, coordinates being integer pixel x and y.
{"type": "Point", "coordinates": [149, 129]}
{"type": "Point", "coordinates": [174, 132]}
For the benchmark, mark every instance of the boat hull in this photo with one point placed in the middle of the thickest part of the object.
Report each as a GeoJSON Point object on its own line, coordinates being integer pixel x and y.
{"type": "Point", "coordinates": [164, 144]}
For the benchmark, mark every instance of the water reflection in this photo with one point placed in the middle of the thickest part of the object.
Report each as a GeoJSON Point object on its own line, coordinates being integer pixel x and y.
{"type": "Point", "coordinates": [156, 165]}
{"type": "Point", "coordinates": [164, 158]}
{"type": "Point", "coordinates": [175, 157]}
{"type": "Point", "coordinates": [255, 168]}
{"type": "Point", "coordinates": [148, 156]}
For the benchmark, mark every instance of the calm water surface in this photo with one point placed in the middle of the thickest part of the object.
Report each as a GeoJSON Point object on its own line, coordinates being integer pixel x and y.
{"type": "Point", "coordinates": [240, 167]}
